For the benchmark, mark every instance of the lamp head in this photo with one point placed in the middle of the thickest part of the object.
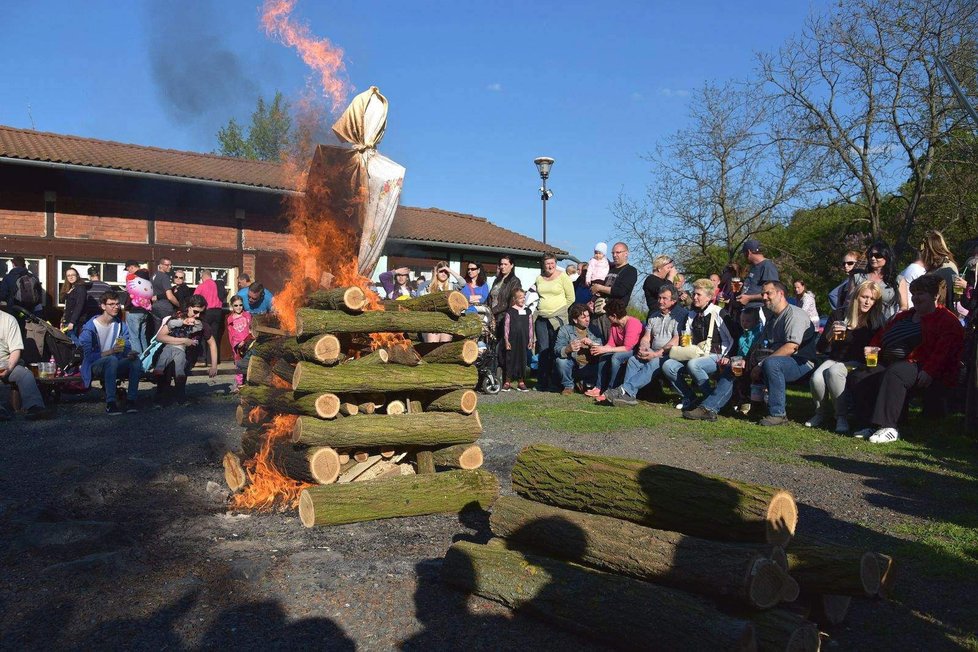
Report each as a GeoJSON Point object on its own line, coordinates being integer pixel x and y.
{"type": "Point", "coordinates": [543, 164]}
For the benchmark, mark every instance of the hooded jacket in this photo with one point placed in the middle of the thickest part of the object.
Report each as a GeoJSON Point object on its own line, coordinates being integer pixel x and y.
{"type": "Point", "coordinates": [92, 346]}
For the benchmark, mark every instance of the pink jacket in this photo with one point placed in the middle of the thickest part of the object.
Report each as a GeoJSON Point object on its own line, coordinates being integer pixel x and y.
{"type": "Point", "coordinates": [208, 290]}
{"type": "Point", "coordinates": [238, 328]}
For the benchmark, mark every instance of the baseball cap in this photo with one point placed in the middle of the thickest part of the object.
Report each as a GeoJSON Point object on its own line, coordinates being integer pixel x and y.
{"type": "Point", "coordinates": [752, 245]}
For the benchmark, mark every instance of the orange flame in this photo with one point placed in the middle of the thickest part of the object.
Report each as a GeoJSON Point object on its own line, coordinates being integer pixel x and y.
{"type": "Point", "coordinates": [267, 485]}
{"type": "Point", "coordinates": [318, 53]}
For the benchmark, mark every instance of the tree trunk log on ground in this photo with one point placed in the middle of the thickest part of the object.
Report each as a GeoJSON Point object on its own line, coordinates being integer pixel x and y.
{"type": "Point", "coordinates": [829, 610]}
{"type": "Point", "coordinates": [451, 303]}
{"type": "Point", "coordinates": [424, 461]}
{"type": "Point", "coordinates": [248, 415]}
{"type": "Point", "coordinates": [459, 456]}
{"type": "Point", "coordinates": [276, 374]}
{"type": "Point", "coordinates": [404, 355]}
{"type": "Point", "coordinates": [324, 406]}
{"type": "Point", "coordinates": [234, 473]}
{"type": "Point", "coordinates": [834, 569]}
{"type": "Point", "coordinates": [435, 493]}
{"type": "Point", "coordinates": [780, 630]}
{"type": "Point", "coordinates": [319, 464]}
{"type": "Point", "coordinates": [367, 407]}
{"type": "Point", "coordinates": [656, 495]}
{"type": "Point", "coordinates": [395, 407]}
{"type": "Point", "coordinates": [428, 429]}
{"type": "Point", "coordinates": [310, 321]}
{"type": "Point", "coordinates": [460, 352]}
{"type": "Point", "coordinates": [377, 357]}
{"type": "Point", "coordinates": [351, 299]}
{"type": "Point", "coordinates": [324, 349]}
{"type": "Point", "coordinates": [610, 544]}
{"type": "Point", "coordinates": [617, 611]}
{"type": "Point", "coordinates": [463, 401]}
{"type": "Point", "coordinates": [311, 378]}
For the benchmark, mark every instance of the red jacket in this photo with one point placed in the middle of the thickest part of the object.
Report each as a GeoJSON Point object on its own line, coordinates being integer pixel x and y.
{"type": "Point", "coordinates": [941, 343]}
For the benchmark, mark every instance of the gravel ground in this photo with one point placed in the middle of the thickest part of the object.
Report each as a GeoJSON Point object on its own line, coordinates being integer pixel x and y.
{"type": "Point", "coordinates": [115, 535]}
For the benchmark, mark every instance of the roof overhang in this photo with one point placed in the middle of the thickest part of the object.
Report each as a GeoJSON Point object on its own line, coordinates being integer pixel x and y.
{"type": "Point", "coordinates": [476, 247]}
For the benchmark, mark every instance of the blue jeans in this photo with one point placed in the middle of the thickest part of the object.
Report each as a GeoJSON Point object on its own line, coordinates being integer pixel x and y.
{"type": "Point", "coordinates": [110, 368]}
{"type": "Point", "coordinates": [569, 370]}
{"type": "Point", "coordinates": [136, 321]}
{"type": "Point", "coordinates": [615, 361]}
{"type": "Point", "coordinates": [778, 371]}
{"type": "Point", "coordinates": [639, 373]}
{"type": "Point", "coordinates": [722, 393]}
{"type": "Point", "coordinates": [700, 369]}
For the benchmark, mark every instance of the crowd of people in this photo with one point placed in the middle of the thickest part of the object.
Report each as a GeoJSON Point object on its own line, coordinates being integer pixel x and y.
{"type": "Point", "coordinates": [156, 327]}
{"type": "Point", "coordinates": [734, 338]}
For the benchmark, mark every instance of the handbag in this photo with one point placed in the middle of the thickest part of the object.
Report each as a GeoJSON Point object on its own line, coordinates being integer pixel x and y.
{"type": "Point", "coordinates": [694, 351]}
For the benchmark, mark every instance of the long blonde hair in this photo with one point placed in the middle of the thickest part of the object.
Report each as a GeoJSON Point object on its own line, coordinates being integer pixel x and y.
{"type": "Point", "coordinates": [934, 251]}
{"type": "Point", "coordinates": [436, 285]}
{"type": "Point", "coordinates": [872, 319]}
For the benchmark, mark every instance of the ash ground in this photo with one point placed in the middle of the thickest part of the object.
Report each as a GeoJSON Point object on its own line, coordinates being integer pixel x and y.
{"type": "Point", "coordinates": [115, 534]}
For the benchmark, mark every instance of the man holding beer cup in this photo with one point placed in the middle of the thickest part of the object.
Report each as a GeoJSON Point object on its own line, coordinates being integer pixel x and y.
{"type": "Point", "coordinates": [107, 353]}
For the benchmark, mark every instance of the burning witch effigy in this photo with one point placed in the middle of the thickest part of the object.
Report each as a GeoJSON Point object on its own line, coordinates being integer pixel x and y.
{"type": "Point", "coordinates": [337, 396]}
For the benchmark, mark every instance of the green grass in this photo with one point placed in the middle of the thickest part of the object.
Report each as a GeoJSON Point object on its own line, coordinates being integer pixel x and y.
{"type": "Point", "coordinates": [947, 549]}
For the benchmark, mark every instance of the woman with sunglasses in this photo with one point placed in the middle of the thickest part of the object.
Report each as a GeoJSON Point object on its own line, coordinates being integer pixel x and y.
{"type": "Point", "coordinates": [476, 290]}
{"type": "Point", "coordinates": [398, 285]}
{"type": "Point", "coordinates": [183, 337]}
{"type": "Point", "coordinates": [880, 269]}
{"type": "Point", "coordinates": [181, 290]}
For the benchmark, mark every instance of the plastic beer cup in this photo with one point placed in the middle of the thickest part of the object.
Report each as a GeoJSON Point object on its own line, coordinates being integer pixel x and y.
{"type": "Point", "coordinates": [838, 335]}
{"type": "Point", "coordinates": [872, 355]}
{"type": "Point", "coordinates": [737, 366]}
{"type": "Point", "coordinates": [686, 339]}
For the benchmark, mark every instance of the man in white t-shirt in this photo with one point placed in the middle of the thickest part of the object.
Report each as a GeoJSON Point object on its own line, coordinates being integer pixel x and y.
{"type": "Point", "coordinates": [13, 371]}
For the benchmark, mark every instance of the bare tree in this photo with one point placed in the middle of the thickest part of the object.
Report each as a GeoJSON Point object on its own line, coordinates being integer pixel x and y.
{"type": "Point", "coordinates": [862, 87]}
{"type": "Point", "coordinates": [726, 178]}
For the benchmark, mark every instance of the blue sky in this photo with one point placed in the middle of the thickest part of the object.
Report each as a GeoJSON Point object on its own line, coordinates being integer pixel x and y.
{"type": "Point", "coordinates": [476, 90]}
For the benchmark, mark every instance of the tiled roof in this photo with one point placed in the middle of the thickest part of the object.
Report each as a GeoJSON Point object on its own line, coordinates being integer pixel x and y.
{"type": "Point", "coordinates": [436, 225]}
{"type": "Point", "coordinates": [423, 224]}
{"type": "Point", "coordinates": [30, 145]}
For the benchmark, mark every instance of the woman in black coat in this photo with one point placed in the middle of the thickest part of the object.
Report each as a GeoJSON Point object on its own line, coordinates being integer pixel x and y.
{"type": "Point", "coordinates": [73, 295]}
{"type": "Point", "coordinates": [501, 292]}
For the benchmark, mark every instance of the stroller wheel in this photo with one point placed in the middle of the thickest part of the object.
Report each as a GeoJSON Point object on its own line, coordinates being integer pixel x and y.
{"type": "Point", "coordinates": [490, 384]}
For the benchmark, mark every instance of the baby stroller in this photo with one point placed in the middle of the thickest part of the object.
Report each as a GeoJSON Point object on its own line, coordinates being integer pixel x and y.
{"type": "Point", "coordinates": [487, 363]}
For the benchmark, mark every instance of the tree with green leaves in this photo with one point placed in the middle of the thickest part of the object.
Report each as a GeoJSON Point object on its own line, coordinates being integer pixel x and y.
{"type": "Point", "coordinates": [268, 137]}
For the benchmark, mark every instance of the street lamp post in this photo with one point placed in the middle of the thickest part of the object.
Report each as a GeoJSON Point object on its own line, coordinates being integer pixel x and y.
{"type": "Point", "coordinates": [543, 164]}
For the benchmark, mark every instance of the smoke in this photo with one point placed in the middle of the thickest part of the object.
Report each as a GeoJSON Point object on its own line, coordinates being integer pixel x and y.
{"type": "Point", "coordinates": [198, 78]}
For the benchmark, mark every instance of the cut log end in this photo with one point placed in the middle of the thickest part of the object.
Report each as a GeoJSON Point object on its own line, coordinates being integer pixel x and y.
{"type": "Point", "coordinates": [234, 473]}
{"type": "Point", "coordinates": [307, 511]}
{"type": "Point", "coordinates": [804, 639]}
{"type": "Point", "coordinates": [325, 465]}
{"type": "Point", "coordinates": [782, 518]}
{"type": "Point", "coordinates": [327, 406]}
{"type": "Point", "coordinates": [396, 407]}
{"type": "Point", "coordinates": [469, 400]}
{"type": "Point", "coordinates": [470, 351]}
{"type": "Point", "coordinates": [886, 574]}
{"type": "Point", "coordinates": [832, 609]}
{"type": "Point", "coordinates": [457, 303]}
{"type": "Point", "coordinates": [355, 298]}
{"type": "Point", "coordinates": [471, 458]}
{"type": "Point", "coordinates": [766, 584]}
{"type": "Point", "coordinates": [327, 348]}
{"type": "Point", "coordinates": [790, 589]}
{"type": "Point", "coordinates": [870, 574]}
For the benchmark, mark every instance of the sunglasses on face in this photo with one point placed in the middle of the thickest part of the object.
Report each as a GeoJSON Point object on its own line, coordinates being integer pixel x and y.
{"type": "Point", "coordinates": [849, 263]}
{"type": "Point", "coordinates": [877, 254]}
{"type": "Point", "coordinates": [179, 278]}
{"type": "Point", "coordinates": [237, 305]}
{"type": "Point", "coordinates": [473, 269]}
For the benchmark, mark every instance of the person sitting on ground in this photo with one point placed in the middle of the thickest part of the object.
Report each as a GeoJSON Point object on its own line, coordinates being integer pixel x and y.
{"type": "Point", "coordinates": [623, 337]}
{"type": "Point", "coordinates": [572, 350]}
{"type": "Point", "coordinates": [517, 337]}
{"type": "Point", "coordinates": [661, 334]}
{"type": "Point", "coordinates": [107, 354]}
{"type": "Point", "coordinates": [397, 283]}
{"type": "Point", "coordinates": [239, 335]}
{"type": "Point", "coordinates": [791, 336]}
{"type": "Point", "coordinates": [13, 371]}
{"type": "Point", "coordinates": [919, 348]}
{"type": "Point", "coordinates": [750, 334]}
{"type": "Point", "coordinates": [74, 296]}
{"type": "Point", "coordinates": [805, 299]}
{"type": "Point", "coordinates": [183, 338]}
{"type": "Point", "coordinates": [845, 337]}
{"type": "Point", "coordinates": [708, 330]}
{"type": "Point", "coordinates": [259, 301]}
{"type": "Point", "coordinates": [663, 273]}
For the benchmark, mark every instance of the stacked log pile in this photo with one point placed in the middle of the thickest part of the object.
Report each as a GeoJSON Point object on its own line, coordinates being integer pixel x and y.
{"type": "Point", "coordinates": [647, 556]}
{"type": "Point", "coordinates": [356, 413]}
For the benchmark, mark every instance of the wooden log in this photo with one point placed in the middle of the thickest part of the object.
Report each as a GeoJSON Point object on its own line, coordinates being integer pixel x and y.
{"type": "Point", "coordinates": [323, 406]}
{"type": "Point", "coordinates": [887, 566]}
{"type": "Point", "coordinates": [414, 407]}
{"type": "Point", "coordinates": [367, 407]}
{"type": "Point", "coordinates": [836, 570]}
{"type": "Point", "coordinates": [656, 495]}
{"type": "Point", "coordinates": [464, 352]}
{"type": "Point", "coordinates": [404, 355]}
{"type": "Point", "coordinates": [324, 349]}
{"type": "Point", "coordinates": [349, 409]}
{"type": "Point", "coordinates": [463, 401]}
{"type": "Point", "coordinates": [395, 407]}
{"type": "Point", "coordinates": [425, 430]}
{"type": "Point", "coordinates": [452, 303]}
{"type": "Point", "coordinates": [428, 429]}
{"type": "Point", "coordinates": [234, 473]}
{"type": "Point", "coordinates": [379, 356]}
{"type": "Point", "coordinates": [387, 453]}
{"type": "Point", "coordinates": [435, 493]}
{"type": "Point", "coordinates": [424, 461]}
{"type": "Point", "coordinates": [684, 562]}
{"type": "Point", "coordinates": [320, 464]}
{"type": "Point", "coordinates": [310, 321]}
{"type": "Point", "coordinates": [361, 456]}
{"type": "Point", "coordinates": [829, 610]}
{"type": "Point", "coordinates": [351, 299]}
{"type": "Point", "coordinates": [248, 415]}
{"type": "Point", "coordinates": [619, 611]}
{"type": "Point", "coordinates": [311, 378]}
{"type": "Point", "coordinates": [344, 458]}
{"type": "Point", "coordinates": [459, 456]}
{"type": "Point", "coordinates": [780, 630]}
{"type": "Point", "coordinates": [360, 466]}
{"type": "Point", "coordinates": [278, 373]}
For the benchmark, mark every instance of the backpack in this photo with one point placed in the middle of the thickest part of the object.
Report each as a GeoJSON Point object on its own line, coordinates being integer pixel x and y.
{"type": "Point", "coordinates": [28, 292]}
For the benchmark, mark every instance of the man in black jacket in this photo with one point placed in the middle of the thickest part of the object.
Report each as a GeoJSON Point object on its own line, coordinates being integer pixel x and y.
{"type": "Point", "coordinates": [618, 284]}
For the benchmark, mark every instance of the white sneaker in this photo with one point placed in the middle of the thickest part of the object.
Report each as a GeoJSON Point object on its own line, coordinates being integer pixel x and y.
{"type": "Point", "coordinates": [681, 406]}
{"type": "Point", "coordinates": [865, 433]}
{"type": "Point", "coordinates": [817, 419]}
{"type": "Point", "coordinates": [842, 425]}
{"type": "Point", "coordinates": [884, 436]}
